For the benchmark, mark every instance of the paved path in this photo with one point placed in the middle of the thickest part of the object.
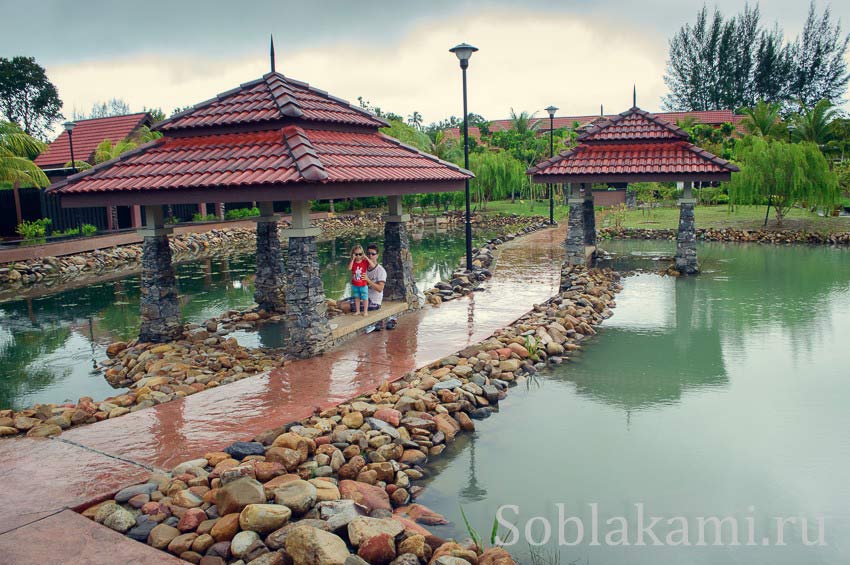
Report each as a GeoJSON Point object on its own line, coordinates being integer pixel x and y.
{"type": "Point", "coordinates": [43, 478]}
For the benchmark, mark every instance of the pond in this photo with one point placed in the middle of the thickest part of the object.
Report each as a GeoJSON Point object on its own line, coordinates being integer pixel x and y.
{"type": "Point", "coordinates": [50, 345]}
{"type": "Point", "coordinates": [723, 395]}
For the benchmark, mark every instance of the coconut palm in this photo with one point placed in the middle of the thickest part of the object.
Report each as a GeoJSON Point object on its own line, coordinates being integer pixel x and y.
{"type": "Point", "coordinates": [763, 120]}
{"type": "Point", "coordinates": [17, 150]}
{"type": "Point", "coordinates": [815, 125]}
{"type": "Point", "coordinates": [415, 120]}
{"type": "Point", "coordinates": [524, 121]}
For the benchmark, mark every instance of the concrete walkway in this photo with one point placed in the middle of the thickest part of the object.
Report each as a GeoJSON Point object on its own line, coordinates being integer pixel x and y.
{"type": "Point", "coordinates": [42, 478]}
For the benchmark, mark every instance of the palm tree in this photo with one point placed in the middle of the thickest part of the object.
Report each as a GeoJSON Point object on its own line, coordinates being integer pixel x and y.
{"type": "Point", "coordinates": [815, 125]}
{"type": "Point", "coordinates": [415, 120]}
{"type": "Point", "coordinates": [17, 150]}
{"type": "Point", "coordinates": [524, 121]}
{"type": "Point", "coordinates": [763, 120]}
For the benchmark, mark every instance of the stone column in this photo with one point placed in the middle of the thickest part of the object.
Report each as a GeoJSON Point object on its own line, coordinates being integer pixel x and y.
{"type": "Point", "coordinates": [160, 312]}
{"type": "Point", "coordinates": [589, 216]}
{"type": "Point", "coordinates": [269, 282]}
{"type": "Point", "coordinates": [202, 208]}
{"type": "Point", "coordinates": [219, 210]}
{"type": "Point", "coordinates": [397, 261]}
{"type": "Point", "coordinates": [686, 237]}
{"type": "Point", "coordinates": [306, 309]}
{"type": "Point", "coordinates": [575, 229]}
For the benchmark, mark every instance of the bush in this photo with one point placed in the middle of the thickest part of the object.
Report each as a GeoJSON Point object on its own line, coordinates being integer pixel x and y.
{"type": "Point", "coordinates": [89, 230]}
{"type": "Point", "coordinates": [34, 231]}
{"type": "Point", "coordinates": [241, 213]}
{"type": "Point", "coordinates": [198, 217]}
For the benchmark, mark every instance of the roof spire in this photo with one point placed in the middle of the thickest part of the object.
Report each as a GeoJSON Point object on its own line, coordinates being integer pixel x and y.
{"type": "Point", "coordinates": [634, 96]}
{"type": "Point", "coordinates": [271, 50]}
{"type": "Point", "coordinates": [601, 111]}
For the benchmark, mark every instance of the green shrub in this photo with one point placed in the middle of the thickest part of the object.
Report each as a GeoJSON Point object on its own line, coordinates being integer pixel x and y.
{"type": "Point", "coordinates": [198, 217]}
{"type": "Point", "coordinates": [241, 213]}
{"type": "Point", "coordinates": [89, 230]}
{"type": "Point", "coordinates": [34, 231]}
{"type": "Point", "coordinates": [66, 233]}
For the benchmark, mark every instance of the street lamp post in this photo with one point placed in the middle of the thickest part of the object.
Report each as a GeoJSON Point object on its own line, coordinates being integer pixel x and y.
{"type": "Point", "coordinates": [464, 52]}
{"type": "Point", "coordinates": [551, 110]}
{"type": "Point", "coordinates": [69, 127]}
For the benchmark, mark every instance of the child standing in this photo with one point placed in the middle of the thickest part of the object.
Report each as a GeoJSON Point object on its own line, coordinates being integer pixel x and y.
{"type": "Point", "coordinates": [359, 289]}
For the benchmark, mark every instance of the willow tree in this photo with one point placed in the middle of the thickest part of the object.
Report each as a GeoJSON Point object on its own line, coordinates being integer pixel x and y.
{"type": "Point", "coordinates": [497, 174]}
{"type": "Point", "coordinates": [782, 174]}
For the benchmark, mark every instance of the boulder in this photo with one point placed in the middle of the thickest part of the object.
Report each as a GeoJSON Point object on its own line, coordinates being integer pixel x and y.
{"type": "Point", "coordinates": [369, 496]}
{"type": "Point", "coordinates": [299, 496]}
{"type": "Point", "coordinates": [264, 518]}
{"type": "Point", "coordinates": [235, 496]}
{"type": "Point", "coordinates": [378, 550]}
{"type": "Point", "coordinates": [362, 528]}
{"type": "Point", "coordinates": [311, 546]}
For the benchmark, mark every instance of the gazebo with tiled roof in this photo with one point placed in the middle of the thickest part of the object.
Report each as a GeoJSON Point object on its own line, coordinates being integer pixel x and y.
{"type": "Point", "coordinates": [634, 146]}
{"type": "Point", "coordinates": [272, 139]}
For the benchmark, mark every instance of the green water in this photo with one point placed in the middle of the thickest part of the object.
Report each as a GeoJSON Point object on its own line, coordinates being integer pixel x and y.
{"type": "Point", "coordinates": [50, 345]}
{"type": "Point", "coordinates": [722, 395]}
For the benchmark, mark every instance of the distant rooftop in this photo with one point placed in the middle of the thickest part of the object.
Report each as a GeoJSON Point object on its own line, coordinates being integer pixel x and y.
{"type": "Point", "coordinates": [87, 135]}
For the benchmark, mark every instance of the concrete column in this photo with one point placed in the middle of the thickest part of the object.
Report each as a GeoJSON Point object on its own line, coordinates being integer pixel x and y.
{"type": "Point", "coordinates": [686, 237]}
{"type": "Point", "coordinates": [160, 312]}
{"type": "Point", "coordinates": [397, 261]}
{"type": "Point", "coordinates": [219, 210]}
{"type": "Point", "coordinates": [306, 310]}
{"type": "Point", "coordinates": [589, 216]}
{"type": "Point", "coordinates": [575, 229]}
{"type": "Point", "coordinates": [269, 283]}
{"type": "Point", "coordinates": [202, 208]}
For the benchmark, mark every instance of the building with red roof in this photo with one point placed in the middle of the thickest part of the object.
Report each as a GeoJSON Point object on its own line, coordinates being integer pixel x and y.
{"type": "Point", "coordinates": [269, 140]}
{"type": "Point", "coordinates": [634, 146]}
{"type": "Point", "coordinates": [715, 118]}
{"type": "Point", "coordinates": [88, 134]}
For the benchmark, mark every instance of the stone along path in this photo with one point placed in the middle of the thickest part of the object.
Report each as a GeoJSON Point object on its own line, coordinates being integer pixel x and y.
{"type": "Point", "coordinates": [44, 477]}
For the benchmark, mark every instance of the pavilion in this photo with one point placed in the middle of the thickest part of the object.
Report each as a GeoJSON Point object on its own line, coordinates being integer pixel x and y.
{"type": "Point", "coordinates": [634, 146]}
{"type": "Point", "coordinates": [269, 140]}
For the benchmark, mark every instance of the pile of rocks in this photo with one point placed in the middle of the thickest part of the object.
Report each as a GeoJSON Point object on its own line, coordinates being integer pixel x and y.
{"type": "Point", "coordinates": [154, 374]}
{"type": "Point", "coordinates": [343, 481]}
{"type": "Point", "coordinates": [463, 281]}
{"type": "Point", "coordinates": [54, 270]}
{"type": "Point", "coordinates": [732, 235]}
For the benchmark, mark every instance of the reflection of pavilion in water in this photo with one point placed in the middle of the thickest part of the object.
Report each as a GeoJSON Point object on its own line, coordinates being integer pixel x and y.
{"type": "Point", "coordinates": [663, 362]}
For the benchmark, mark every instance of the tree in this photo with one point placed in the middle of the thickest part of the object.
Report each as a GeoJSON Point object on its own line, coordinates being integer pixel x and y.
{"type": "Point", "coordinates": [523, 122]}
{"type": "Point", "coordinates": [820, 69]}
{"type": "Point", "coordinates": [815, 125]}
{"type": "Point", "coordinates": [17, 150]}
{"type": "Point", "coordinates": [112, 107]}
{"type": "Point", "coordinates": [408, 134]}
{"type": "Point", "coordinates": [782, 174]}
{"type": "Point", "coordinates": [157, 114]}
{"type": "Point", "coordinates": [27, 97]}
{"type": "Point", "coordinates": [763, 120]}
{"type": "Point", "coordinates": [497, 175]}
{"type": "Point", "coordinates": [723, 62]}
{"type": "Point", "coordinates": [415, 120]}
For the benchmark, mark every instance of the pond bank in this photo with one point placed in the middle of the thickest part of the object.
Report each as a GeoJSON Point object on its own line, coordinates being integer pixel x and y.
{"type": "Point", "coordinates": [732, 235]}
{"type": "Point", "coordinates": [349, 471]}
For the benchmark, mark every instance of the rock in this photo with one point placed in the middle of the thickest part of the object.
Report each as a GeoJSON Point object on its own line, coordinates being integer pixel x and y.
{"type": "Point", "coordinates": [141, 531]}
{"type": "Point", "coordinates": [182, 543]}
{"type": "Point", "coordinates": [421, 514]}
{"type": "Point", "coordinates": [264, 518]}
{"type": "Point", "coordinates": [186, 466]}
{"type": "Point", "coordinates": [363, 528]}
{"type": "Point", "coordinates": [378, 550]}
{"type": "Point", "coordinates": [273, 558]}
{"type": "Point", "coordinates": [44, 430]}
{"type": "Point", "coordinates": [186, 499]}
{"type": "Point", "coordinates": [312, 546]}
{"type": "Point", "coordinates": [102, 511]}
{"type": "Point", "coordinates": [191, 520]}
{"type": "Point", "coordinates": [162, 535]}
{"type": "Point", "coordinates": [241, 542]}
{"type": "Point", "coordinates": [120, 520]}
{"type": "Point", "coordinates": [413, 457]}
{"type": "Point", "coordinates": [299, 496]}
{"type": "Point", "coordinates": [242, 449]}
{"type": "Point", "coordinates": [388, 415]}
{"type": "Point", "coordinates": [448, 425]}
{"type": "Point", "coordinates": [353, 420]}
{"type": "Point", "coordinates": [289, 458]}
{"type": "Point", "coordinates": [325, 490]}
{"type": "Point", "coordinates": [496, 556]}
{"type": "Point", "coordinates": [452, 549]}
{"type": "Point", "coordinates": [406, 559]}
{"type": "Point", "coordinates": [226, 527]}
{"type": "Point", "coordinates": [369, 496]}
{"type": "Point", "coordinates": [446, 385]}
{"type": "Point", "coordinates": [416, 545]}
{"type": "Point", "coordinates": [235, 496]}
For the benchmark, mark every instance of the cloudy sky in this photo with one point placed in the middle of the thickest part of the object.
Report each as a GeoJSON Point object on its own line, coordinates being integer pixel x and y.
{"type": "Point", "coordinates": [575, 54]}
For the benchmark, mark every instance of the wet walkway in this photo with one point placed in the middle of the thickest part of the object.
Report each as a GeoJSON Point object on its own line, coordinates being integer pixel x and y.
{"type": "Point", "coordinates": [44, 477]}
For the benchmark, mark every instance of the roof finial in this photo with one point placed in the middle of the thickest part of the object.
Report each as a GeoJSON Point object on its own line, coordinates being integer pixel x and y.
{"type": "Point", "coordinates": [634, 96]}
{"type": "Point", "coordinates": [271, 50]}
{"type": "Point", "coordinates": [601, 111]}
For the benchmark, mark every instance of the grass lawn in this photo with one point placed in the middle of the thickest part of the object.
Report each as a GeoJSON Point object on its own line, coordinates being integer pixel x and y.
{"type": "Point", "coordinates": [744, 217]}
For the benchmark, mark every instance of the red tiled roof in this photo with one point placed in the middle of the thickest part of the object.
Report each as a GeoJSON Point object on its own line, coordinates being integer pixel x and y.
{"type": "Point", "coordinates": [712, 117]}
{"type": "Point", "coordinates": [87, 135]}
{"type": "Point", "coordinates": [634, 143]}
{"type": "Point", "coordinates": [272, 157]}
{"type": "Point", "coordinates": [270, 99]}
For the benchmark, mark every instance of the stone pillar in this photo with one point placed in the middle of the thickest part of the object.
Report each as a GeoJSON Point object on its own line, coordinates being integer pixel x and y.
{"type": "Point", "coordinates": [306, 310]}
{"type": "Point", "coordinates": [160, 312]}
{"type": "Point", "coordinates": [219, 210]}
{"type": "Point", "coordinates": [589, 216]}
{"type": "Point", "coordinates": [269, 282]}
{"type": "Point", "coordinates": [202, 208]}
{"type": "Point", "coordinates": [397, 261]}
{"type": "Point", "coordinates": [686, 237]}
{"type": "Point", "coordinates": [575, 229]}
